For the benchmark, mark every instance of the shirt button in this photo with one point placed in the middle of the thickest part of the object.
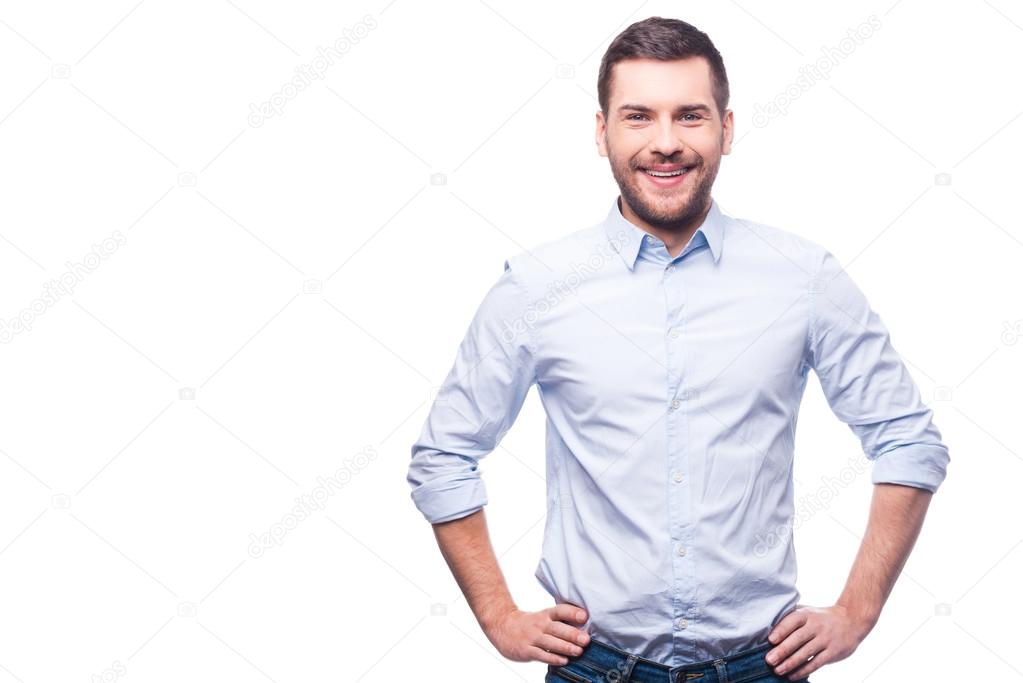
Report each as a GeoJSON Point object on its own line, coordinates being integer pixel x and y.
{"type": "Point", "coordinates": [674, 333]}
{"type": "Point", "coordinates": [681, 624]}
{"type": "Point", "coordinates": [671, 268]}
{"type": "Point", "coordinates": [678, 475]}
{"type": "Point", "coordinates": [681, 550]}
{"type": "Point", "coordinates": [675, 404]}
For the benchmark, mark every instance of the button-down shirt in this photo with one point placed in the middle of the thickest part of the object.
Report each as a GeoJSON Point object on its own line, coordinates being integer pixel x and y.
{"type": "Point", "coordinates": [671, 387]}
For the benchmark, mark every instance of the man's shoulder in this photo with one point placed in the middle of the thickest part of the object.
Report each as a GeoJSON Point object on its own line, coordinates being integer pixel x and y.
{"type": "Point", "coordinates": [756, 237]}
{"type": "Point", "coordinates": [550, 259]}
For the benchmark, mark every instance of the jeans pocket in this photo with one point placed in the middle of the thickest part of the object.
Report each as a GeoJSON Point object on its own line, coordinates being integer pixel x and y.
{"type": "Point", "coordinates": [561, 673]}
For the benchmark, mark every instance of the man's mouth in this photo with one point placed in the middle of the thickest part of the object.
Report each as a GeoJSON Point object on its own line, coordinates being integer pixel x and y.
{"type": "Point", "coordinates": [666, 175]}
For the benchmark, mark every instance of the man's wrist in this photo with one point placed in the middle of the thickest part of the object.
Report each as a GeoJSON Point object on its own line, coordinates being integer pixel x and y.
{"type": "Point", "coordinates": [494, 613]}
{"type": "Point", "coordinates": [865, 616]}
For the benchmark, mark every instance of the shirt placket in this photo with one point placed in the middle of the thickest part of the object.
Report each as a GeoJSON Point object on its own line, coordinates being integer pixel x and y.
{"type": "Point", "coordinates": [679, 503]}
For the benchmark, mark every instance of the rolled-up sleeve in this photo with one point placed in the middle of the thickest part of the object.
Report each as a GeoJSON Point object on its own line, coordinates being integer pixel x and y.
{"type": "Point", "coordinates": [867, 384]}
{"type": "Point", "coordinates": [477, 403]}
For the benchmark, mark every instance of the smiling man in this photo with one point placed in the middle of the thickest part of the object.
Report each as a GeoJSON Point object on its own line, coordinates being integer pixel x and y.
{"type": "Point", "coordinates": [670, 345]}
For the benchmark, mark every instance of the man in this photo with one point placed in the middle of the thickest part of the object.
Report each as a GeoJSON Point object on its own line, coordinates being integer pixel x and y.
{"type": "Point", "coordinates": [670, 345]}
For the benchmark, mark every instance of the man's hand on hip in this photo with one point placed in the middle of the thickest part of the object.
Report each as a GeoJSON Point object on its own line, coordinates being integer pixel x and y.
{"type": "Point", "coordinates": [543, 636]}
{"type": "Point", "coordinates": [828, 634]}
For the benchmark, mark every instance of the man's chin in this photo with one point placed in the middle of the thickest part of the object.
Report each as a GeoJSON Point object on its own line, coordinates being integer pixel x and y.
{"type": "Point", "coordinates": [666, 202]}
{"type": "Point", "coordinates": [664, 209]}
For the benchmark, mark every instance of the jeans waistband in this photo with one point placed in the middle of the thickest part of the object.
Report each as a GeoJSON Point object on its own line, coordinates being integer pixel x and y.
{"type": "Point", "coordinates": [604, 663]}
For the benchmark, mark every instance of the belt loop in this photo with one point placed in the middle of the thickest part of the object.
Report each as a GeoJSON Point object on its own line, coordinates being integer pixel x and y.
{"type": "Point", "coordinates": [627, 669]}
{"type": "Point", "coordinates": [719, 664]}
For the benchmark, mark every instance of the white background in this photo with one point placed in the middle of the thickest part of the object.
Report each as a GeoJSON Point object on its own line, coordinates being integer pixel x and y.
{"type": "Point", "coordinates": [285, 296]}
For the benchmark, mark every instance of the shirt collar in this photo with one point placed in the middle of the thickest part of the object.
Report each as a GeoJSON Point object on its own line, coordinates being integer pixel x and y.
{"type": "Point", "coordinates": [627, 238]}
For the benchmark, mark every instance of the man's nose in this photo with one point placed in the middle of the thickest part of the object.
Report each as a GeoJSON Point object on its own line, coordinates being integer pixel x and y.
{"type": "Point", "coordinates": [665, 140]}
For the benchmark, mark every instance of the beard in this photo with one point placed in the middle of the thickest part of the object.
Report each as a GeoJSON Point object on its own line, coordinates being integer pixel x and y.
{"type": "Point", "coordinates": [666, 209]}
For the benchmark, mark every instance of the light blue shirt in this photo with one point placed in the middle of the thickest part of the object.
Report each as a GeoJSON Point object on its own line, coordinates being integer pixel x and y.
{"type": "Point", "coordinates": [671, 388]}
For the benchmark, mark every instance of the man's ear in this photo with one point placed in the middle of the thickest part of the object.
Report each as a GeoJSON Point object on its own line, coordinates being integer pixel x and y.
{"type": "Point", "coordinates": [728, 131]}
{"type": "Point", "coordinates": [601, 134]}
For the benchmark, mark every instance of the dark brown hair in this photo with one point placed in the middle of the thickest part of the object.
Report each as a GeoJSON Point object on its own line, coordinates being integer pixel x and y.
{"type": "Point", "coordinates": [664, 39]}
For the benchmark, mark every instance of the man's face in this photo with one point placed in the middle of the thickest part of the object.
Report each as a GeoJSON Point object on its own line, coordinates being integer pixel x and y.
{"type": "Point", "coordinates": [662, 117]}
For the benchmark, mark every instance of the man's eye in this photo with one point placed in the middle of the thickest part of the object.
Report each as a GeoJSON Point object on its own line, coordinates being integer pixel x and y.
{"type": "Point", "coordinates": [633, 117]}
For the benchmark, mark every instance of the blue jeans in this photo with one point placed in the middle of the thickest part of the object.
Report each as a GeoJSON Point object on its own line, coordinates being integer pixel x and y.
{"type": "Point", "coordinates": [603, 663]}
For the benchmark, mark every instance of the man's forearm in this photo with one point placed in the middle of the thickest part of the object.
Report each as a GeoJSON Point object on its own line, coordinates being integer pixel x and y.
{"type": "Point", "coordinates": [808, 638]}
{"type": "Point", "coordinates": [465, 545]}
{"type": "Point", "coordinates": [896, 515]}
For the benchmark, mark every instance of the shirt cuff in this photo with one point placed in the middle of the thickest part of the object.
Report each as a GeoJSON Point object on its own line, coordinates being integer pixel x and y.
{"type": "Point", "coordinates": [920, 465]}
{"type": "Point", "coordinates": [446, 499]}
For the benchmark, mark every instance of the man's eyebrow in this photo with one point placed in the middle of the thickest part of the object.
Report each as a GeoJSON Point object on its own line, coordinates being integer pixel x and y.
{"type": "Point", "coordinates": [678, 110]}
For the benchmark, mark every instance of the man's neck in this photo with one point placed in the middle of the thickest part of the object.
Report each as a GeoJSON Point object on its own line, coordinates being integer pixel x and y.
{"type": "Point", "coordinates": [675, 238]}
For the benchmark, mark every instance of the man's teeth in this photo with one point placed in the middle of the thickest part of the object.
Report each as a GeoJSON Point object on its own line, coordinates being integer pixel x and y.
{"type": "Point", "coordinates": [666, 174]}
